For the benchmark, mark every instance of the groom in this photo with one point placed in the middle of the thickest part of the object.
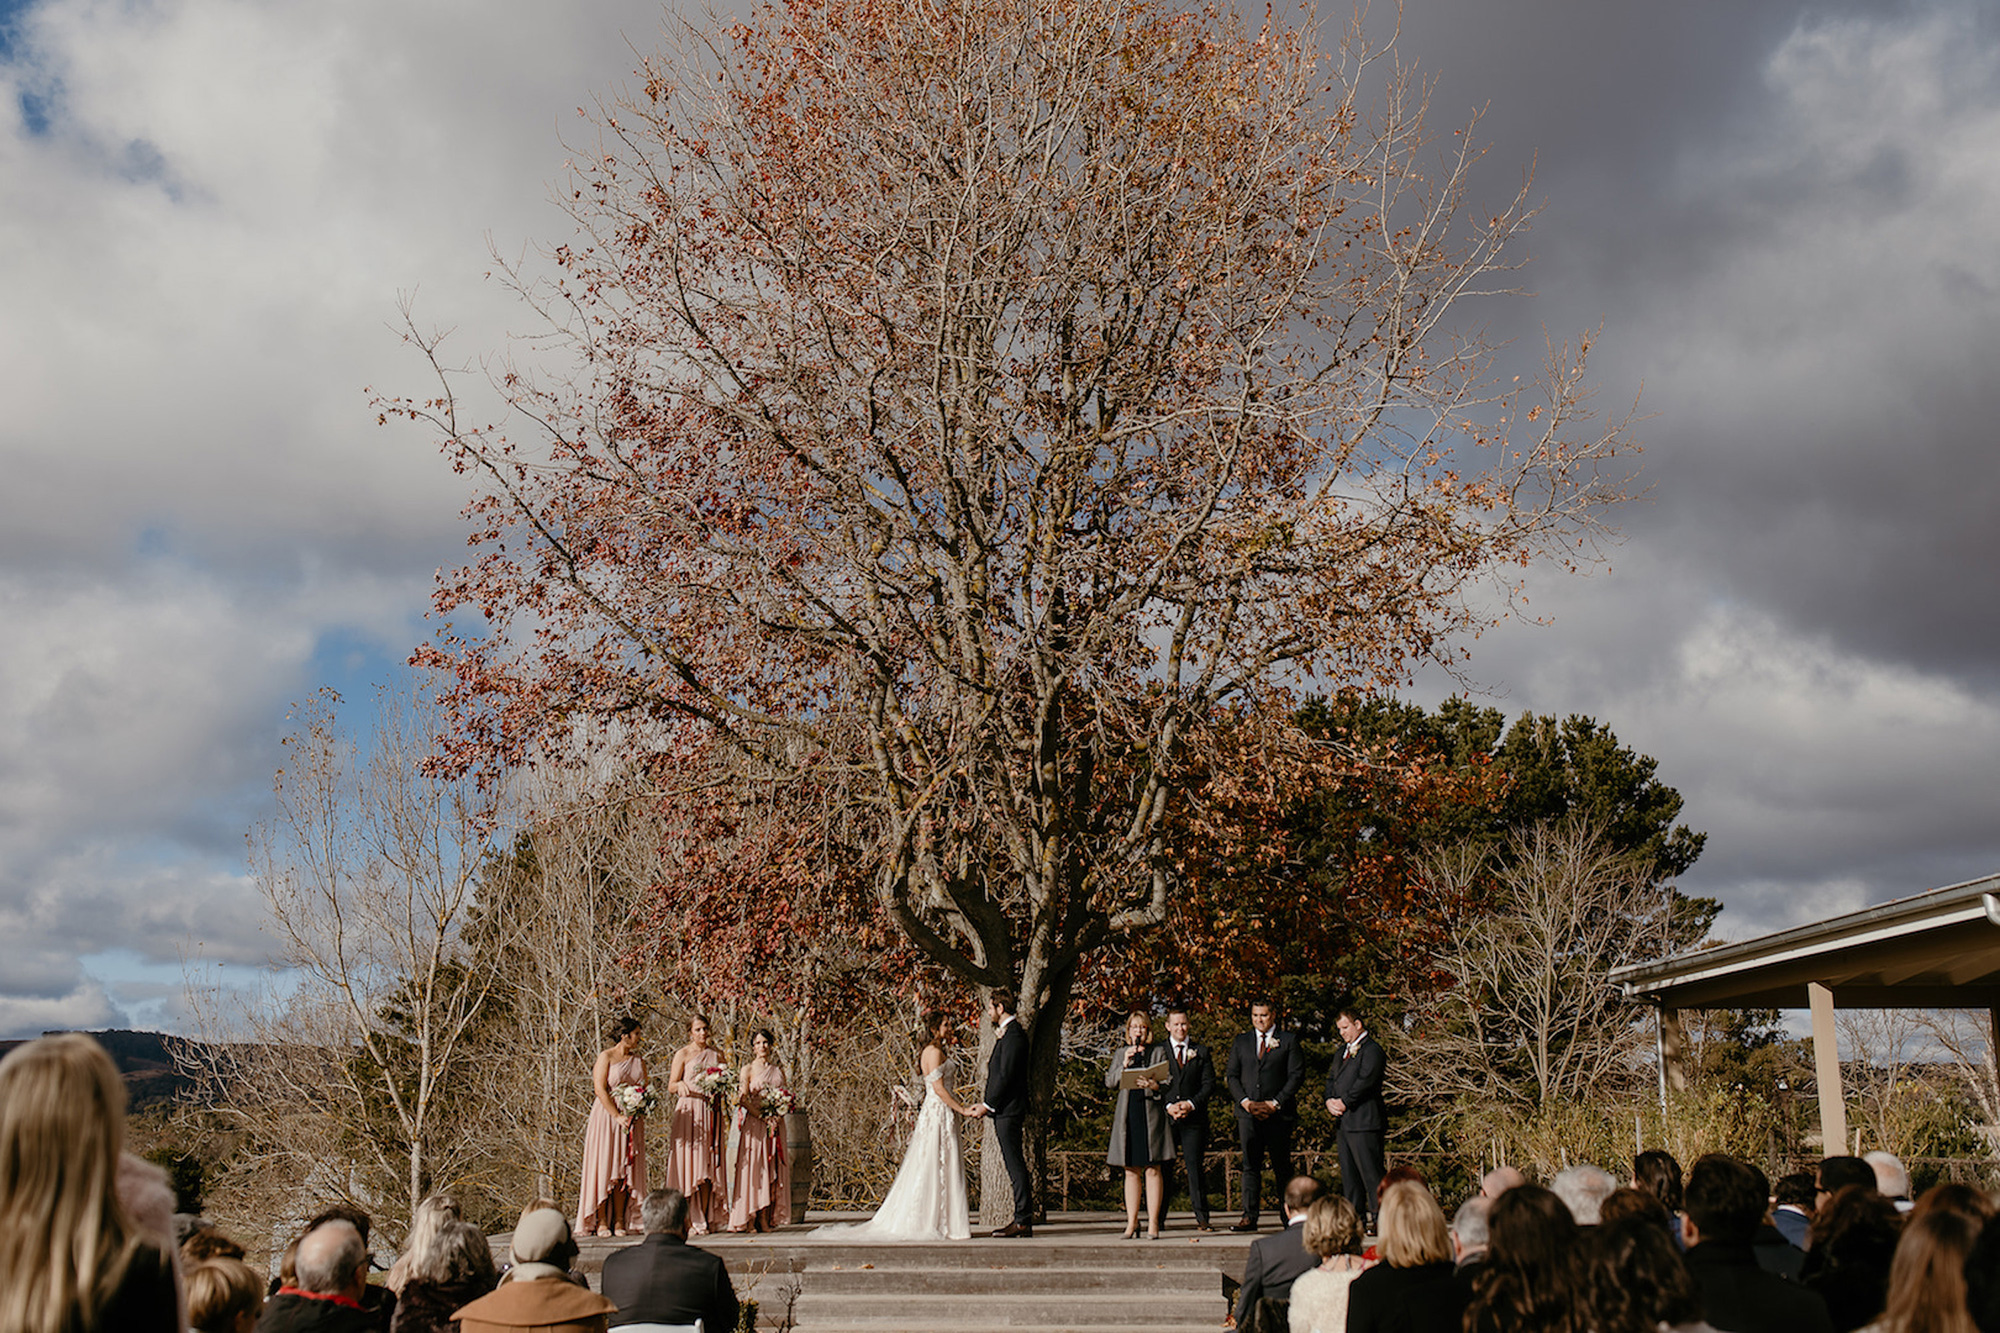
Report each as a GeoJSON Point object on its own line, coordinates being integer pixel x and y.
{"type": "Point", "coordinates": [1006, 1101]}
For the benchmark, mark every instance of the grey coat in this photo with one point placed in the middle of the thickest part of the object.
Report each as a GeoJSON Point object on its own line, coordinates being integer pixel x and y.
{"type": "Point", "coordinates": [1158, 1146]}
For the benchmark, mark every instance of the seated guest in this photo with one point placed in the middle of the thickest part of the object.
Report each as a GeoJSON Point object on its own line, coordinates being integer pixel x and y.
{"type": "Point", "coordinates": [1630, 1279]}
{"type": "Point", "coordinates": [1499, 1180]}
{"type": "Point", "coordinates": [1952, 1197]}
{"type": "Point", "coordinates": [1275, 1262]}
{"type": "Point", "coordinates": [1332, 1233]}
{"type": "Point", "coordinates": [665, 1280]}
{"type": "Point", "coordinates": [425, 1223]}
{"type": "Point", "coordinates": [1527, 1283]}
{"type": "Point", "coordinates": [1411, 1290]}
{"type": "Point", "coordinates": [1982, 1279]}
{"type": "Point", "coordinates": [1792, 1204]}
{"type": "Point", "coordinates": [1658, 1173]}
{"type": "Point", "coordinates": [453, 1268]}
{"type": "Point", "coordinates": [1725, 1202]}
{"type": "Point", "coordinates": [1852, 1244]}
{"type": "Point", "coordinates": [325, 1295]}
{"type": "Point", "coordinates": [1469, 1240]}
{"type": "Point", "coordinates": [1892, 1178]}
{"type": "Point", "coordinates": [224, 1295]}
{"type": "Point", "coordinates": [1584, 1188]}
{"type": "Point", "coordinates": [378, 1301]}
{"type": "Point", "coordinates": [1628, 1204]}
{"type": "Point", "coordinates": [1927, 1280]}
{"type": "Point", "coordinates": [538, 1293]}
{"type": "Point", "coordinates": [204, 1242]}
{"type": "Point", "coordinates": [1836, 1173]}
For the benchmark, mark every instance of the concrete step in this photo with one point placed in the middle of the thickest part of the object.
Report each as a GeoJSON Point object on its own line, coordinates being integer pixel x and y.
{"type": "Point", "coordinates": [821, 1314]}
{"type": "Point", "coordinates": [1163, 1280]}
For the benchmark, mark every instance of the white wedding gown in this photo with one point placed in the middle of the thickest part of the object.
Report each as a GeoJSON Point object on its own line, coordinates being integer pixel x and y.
{"type": "Point", "coordinates": [928, 1200]}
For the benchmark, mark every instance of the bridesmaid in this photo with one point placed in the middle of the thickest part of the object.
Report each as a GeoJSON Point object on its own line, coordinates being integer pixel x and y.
{"type": "Point", "coordinates": [762, 1199]}
{"type": "Point", "coordinates": [614, 1144]}
{"type": "Point", "coordinates": [697, 1167]}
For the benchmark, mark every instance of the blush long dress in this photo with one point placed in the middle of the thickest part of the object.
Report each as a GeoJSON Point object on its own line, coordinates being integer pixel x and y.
{"type": "Point", "coordinates": [763, 1194]}
{"type": "Point", "coordinates": [612, 1156]}
{"type": "Point", "coordinates": [698, 1156]}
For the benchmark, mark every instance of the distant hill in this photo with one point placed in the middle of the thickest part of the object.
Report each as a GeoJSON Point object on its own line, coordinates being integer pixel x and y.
{"type": "Point", "coordinates": [146, 1060]}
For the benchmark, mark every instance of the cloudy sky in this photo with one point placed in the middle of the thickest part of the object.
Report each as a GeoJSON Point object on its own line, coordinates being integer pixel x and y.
{"type": "Point", "coordinates": [1786, 218]}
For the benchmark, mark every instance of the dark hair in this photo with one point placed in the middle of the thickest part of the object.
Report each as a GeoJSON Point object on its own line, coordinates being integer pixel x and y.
{"type": "Point", "coordinates": [1300, 1191]}
{"type": "Point", "coordinates": [621, 1026]}
{"type": "Point", "coordinates": [1796, 1190]}
{"type": "Point", "coordinates": [1004, 998]}
{"type": "Point", "coordinates": [1528, 1282]}
{"type": "Point", "coordinates": [701, 1019]}
{"type": "Point", "coordinates": [1952, 1197]}
{"type": "Point", "coordinates": [340, 1212]}
{"type": "Point", "coordinates": [1725, 1198]}
{"type": "Point", "coordinates": [770, 1037]}
{"type": "Point", "coordinates": [1396, 1173]}
{"type": "Point", "coordinates": [1836, 1173]}
{"type": "Point", "coordinates": [1656, 1172]}
{"type": "Point", "coordinates": [1982, 1278]}
{"type": "Point", "coordinates": [1350, 1013]}
{"type": "Point", "coordinates": [1634, 1205]}
{"type": "Point", "coordinates": [1262, 1002]}
{"type": "Point", "coordinates": [205, 1242]}
{"type": "Point", "coordinates": [1856, 1230]}
{"type": "Point", "coordinates": [1631, 1279]}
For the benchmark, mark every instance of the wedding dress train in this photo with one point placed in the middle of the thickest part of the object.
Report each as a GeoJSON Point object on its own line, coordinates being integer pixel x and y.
{"type": "Point", "coordinates": [928, 1200]}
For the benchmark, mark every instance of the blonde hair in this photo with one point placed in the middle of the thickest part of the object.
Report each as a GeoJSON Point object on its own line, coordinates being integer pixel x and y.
{"type": "Point", "coordinates": [1332, 1227]}
{"type": "Point", "coordinates": [430, 1218]}
{"type": "Point", "coordinates": [65, 1241]}
{"type": "Point", "coordinates": [1413, 1227]}
{"type": "Point", "coordinates": [219, 1290]}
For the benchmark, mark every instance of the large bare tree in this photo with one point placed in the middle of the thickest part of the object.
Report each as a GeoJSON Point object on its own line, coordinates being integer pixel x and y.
{"type": "Point", "coordinates": [975, 398]}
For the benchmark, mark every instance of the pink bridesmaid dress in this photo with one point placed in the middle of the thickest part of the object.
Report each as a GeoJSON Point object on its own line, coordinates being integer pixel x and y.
{"type": "Point", "coordinates": [698, 1158]}
{"type": "Point", "coordinates": [612, 1156]}
{"type": "Point", "coordinates": [763, 1195]}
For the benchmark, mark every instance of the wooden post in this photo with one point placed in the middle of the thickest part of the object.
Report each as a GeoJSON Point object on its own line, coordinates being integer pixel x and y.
{"type": "Point", "coordinates": [1826, 1064]}
{"type": "Point", "coordinates": [1673, 1054]}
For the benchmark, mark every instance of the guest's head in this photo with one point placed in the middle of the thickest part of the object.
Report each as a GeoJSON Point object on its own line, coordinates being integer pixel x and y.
{"type": "Point", "coordinates": [333, 1260]}
{"type": "Point", "coordinates": [1632, 1280]}
{"type": "Point", "coordinates": [1528, 1279]}
{"type": "Point", "coordinates": [1836, 1173]}
{"type": "Point", "coordinates": [1892, 1178]}
{"type": "Point", "coordinates": [1396, 1175]}
{"type": "Point", "coordinates": [1634, 1204]}
{"type": "Point", "coordinates": [1725, 1200]}
{"type": "Point", "coordinates": [63, 1232]}
{"type": "Point", "coordinates": [458, 1255]}
{"type": "Point", "coordinates": [1300, 1191]}
{"type": "Point", "coordinates": [1530, 1228]}
{"type": "Point", "coordinates": [1856, 1225]}
{"type": "Point", "coordinates": [1469, 1235]}
{"type": "Point", "coordinates": [1499, 1180]}
{"type": "Point", "coordinates": [1656, 1171]}
{"type": "Point", "coordinates": [1982, 1278]}
{"type": "Point", "coordinates": [224, 1295]}
{"type": "Point", "coordinates": [1584, 1188]}
{"type": "Point", "coordinates": [1797, 1190]}
{"type": "Point", "coordinates": [664, 1213]}
{"type": "Point", "coordinates": [343, 1212]}
{"type": "Point", "coordinates": [1952, 1197]}
{"type": "Point", "coordinates": [1413, 1230]}
{"type": "Point", "coordinates": [1927, 1276]}
{"type": "Point", "coordinates": [1331, 1227]}
{"type": "Point", "coordinates": [426, 1222]}
{"type": "Point", "coordinates": [205, 1242]}
{"type": "Point", "coordinates": [288, 1264]}
{"type": "Point", "coordinates": [1138, 1028]}
{"type": "Point", "coordinates": [543, 1237]}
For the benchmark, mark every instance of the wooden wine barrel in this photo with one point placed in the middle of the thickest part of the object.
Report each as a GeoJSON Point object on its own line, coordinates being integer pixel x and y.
{"type": "Point", "coordinates": [799, 1153]}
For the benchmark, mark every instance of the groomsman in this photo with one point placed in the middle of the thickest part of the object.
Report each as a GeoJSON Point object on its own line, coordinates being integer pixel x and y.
{"type": "Point", "coordinates": [1190, 1085]}
{"type": "Point", "coordinates": [1265, 1070]}
{"type": "Point", "coordinates": [1354, 1100]}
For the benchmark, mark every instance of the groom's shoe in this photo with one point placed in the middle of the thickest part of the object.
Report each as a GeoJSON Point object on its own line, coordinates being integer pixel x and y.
{"type": "Point", "coordinates": [1013, 1230]}
{"type": "Point", "coordinates": [1245, 1225]}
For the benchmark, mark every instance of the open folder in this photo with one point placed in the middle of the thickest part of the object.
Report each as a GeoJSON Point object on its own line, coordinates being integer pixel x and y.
{"type": "Point", "coordinates": [1130, 1078]}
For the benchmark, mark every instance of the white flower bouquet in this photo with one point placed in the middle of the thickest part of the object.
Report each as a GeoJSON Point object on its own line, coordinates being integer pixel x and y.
{"type": "Point", "coordinates": [634, 1099]}
{"type": "Point", "coordinates": [775, 1102]}
{"type": "Point", "coordinates": [717, 1082]}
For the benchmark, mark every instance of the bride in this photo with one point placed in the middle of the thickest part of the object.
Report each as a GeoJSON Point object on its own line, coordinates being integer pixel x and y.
{"type": "Point", "coordinates": [927, 1202]}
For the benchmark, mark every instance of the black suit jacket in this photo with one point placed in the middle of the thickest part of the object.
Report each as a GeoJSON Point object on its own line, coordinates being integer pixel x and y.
{"type": "Point", "coordinates": [1739, 1297]}
{"type": "Point", "coordinates": [1007, 1073]}
{"type": "Point", "coordinates": [1275, 1078]}
{"type": "Point", "coordinates": [665, 1280]}
{"type": "Point", "coordinates": [1191, 1082]}
{"type": "Point", "coordinates": [1358, 1082]}
{"type": "Point", "coordinates": [1274, 1263]}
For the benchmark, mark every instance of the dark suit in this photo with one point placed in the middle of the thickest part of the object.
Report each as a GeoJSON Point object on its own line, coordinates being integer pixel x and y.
{"type": "Point", "coordinates": [1273, 1077]}
{"type": "Point", "coordinates": [1357, 1081]}
{"type": "Point", "coordinates": [1006, 1100]}
{"type": "Point", "coordinates": [1739, 1297]}
{"type": "Point", "coordinates": [1193, 1081]}
{"type": "Point", "coordinates": [1273, 1264]}
{"type": "Point", "coordinates": [665, 1280]}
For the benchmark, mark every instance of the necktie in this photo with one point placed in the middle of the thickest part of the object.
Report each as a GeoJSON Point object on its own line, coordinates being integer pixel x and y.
{"type": "Point", "coordinates": [1180, 1054]}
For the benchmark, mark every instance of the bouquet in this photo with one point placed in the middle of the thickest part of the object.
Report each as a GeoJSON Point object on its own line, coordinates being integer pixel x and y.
{"type": "Point", "coordinates": [717, 1082]}
{"type": "Point", "coordinates": [773, 1102]}
{"type": "Point", "coordinates": [634, 1099]}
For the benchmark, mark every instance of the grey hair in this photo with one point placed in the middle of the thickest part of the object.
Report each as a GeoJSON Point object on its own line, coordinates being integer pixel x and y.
{"type": "Point", "coordinates": [458, 1253]}
{"type": "Point", "coordinates": [1469, 1222]}
{"type": "Point", "coordinates": [329, 1256]}
{"type": "Point", "coordinates": [1892, 1178]}
{"type": "Point", "coordinates": [1583, 1188]}
{"type": "Point", "coordinates": [663, 1210]}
